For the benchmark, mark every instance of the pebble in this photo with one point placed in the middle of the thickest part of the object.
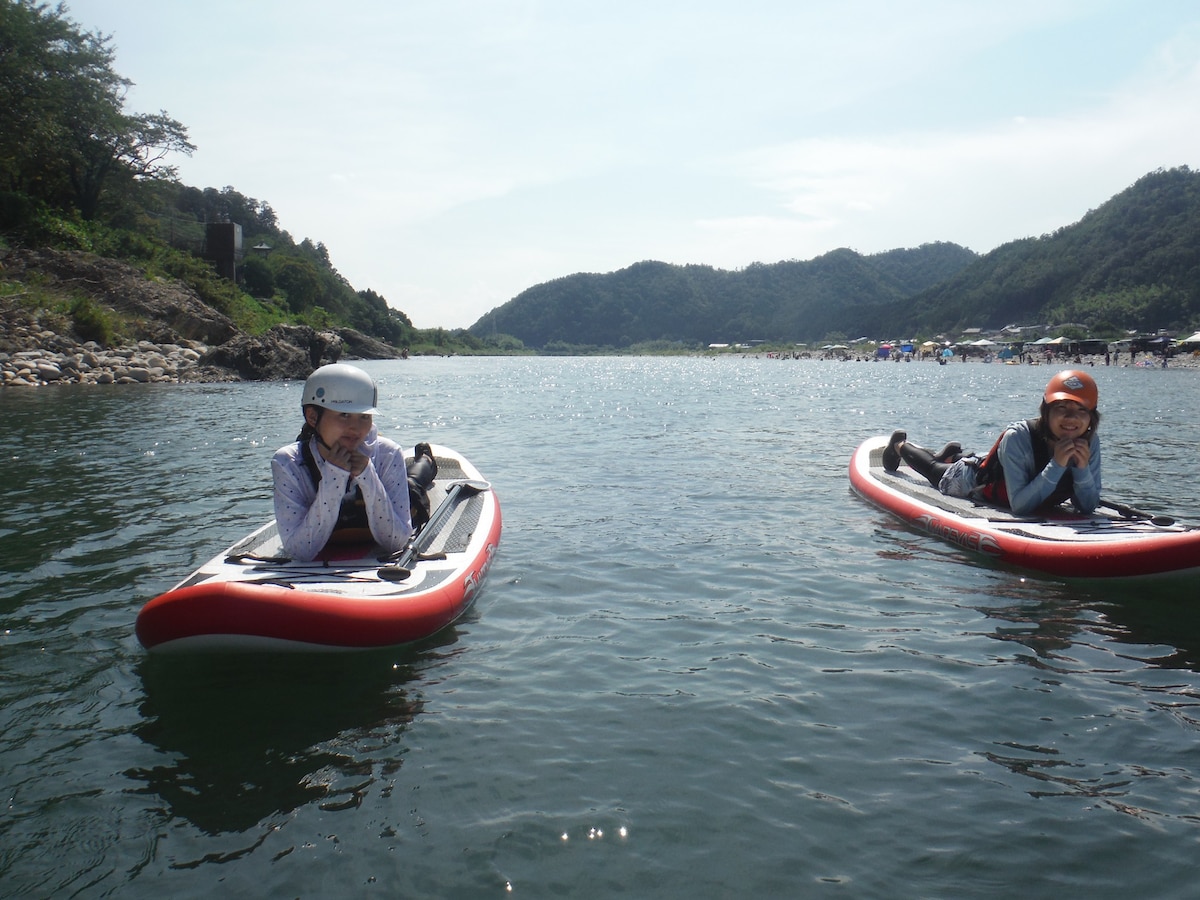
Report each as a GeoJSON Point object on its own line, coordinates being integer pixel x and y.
{"type": "Point", "coordinates": [89, 363]}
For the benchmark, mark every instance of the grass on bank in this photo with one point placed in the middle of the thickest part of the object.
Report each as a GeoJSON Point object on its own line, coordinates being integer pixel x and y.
{"type": "Point", "coordinates": [55, 308]}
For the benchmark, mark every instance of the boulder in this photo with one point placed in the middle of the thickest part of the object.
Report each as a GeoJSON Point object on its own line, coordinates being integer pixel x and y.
{"type": "Point", "coordinates": [285, 352]}
{"type": "Point", "coordinates": [363, 346]}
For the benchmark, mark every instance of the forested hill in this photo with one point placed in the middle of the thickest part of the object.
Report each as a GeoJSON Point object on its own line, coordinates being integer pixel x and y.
{"type": "Point", "coordinates": [1133, 263]}
{"type": "Point", "coordinates": [697, 305]}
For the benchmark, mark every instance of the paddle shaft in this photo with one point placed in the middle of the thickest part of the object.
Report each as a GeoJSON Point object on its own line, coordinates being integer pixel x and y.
{"type": "Point", "coordinates": [422, 541]}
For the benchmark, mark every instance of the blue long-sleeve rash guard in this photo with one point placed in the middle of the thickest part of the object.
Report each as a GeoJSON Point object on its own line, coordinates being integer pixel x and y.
{"type": "Point", "coordinates": [1028, 488]}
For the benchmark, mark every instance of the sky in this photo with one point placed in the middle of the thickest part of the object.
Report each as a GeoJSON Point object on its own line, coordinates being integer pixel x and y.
{"type": "Point", "coordinates": [451, 154]}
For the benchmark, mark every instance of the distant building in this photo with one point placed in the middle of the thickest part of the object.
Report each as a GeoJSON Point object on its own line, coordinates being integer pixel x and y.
{"type": "Point", "coordinates": [223, 247]}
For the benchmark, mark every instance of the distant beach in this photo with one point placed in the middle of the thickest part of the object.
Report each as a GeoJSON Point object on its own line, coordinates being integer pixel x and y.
{"type": "Point", "coordinates": [1182, 360]}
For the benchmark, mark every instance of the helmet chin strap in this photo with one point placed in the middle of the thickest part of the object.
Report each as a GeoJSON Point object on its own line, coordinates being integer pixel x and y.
{"type": "Point", "coordinates": [310, 428]}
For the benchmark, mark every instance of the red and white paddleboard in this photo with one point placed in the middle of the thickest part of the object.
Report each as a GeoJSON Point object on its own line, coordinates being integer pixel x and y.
{"type": "Point", "coordinates": [250, 597]}
{"type": "Point", "coordinates": [1113, 542]}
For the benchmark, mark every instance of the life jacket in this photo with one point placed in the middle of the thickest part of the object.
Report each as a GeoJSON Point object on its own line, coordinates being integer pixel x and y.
{"type": "Point", "coordinates": [989, 473]}
{"type": "Point", "coordinates": [352, 526]}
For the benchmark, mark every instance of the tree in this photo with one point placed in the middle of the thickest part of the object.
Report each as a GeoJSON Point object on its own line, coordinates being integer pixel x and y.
{"type": "Point", "coordinates": [258, 278]}
{"type": "Point", "coordinates": [64, 133]}
{"type": "Point", "coordinates": [32, 79]}
{"type": "Point", "coordinates": [300, 280]}
{"type": "Point", "coordinates": [133, 148]}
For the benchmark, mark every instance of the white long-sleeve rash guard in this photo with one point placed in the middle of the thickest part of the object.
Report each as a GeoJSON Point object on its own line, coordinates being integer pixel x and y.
{"type": "Point", "coordinates": [306, 513]}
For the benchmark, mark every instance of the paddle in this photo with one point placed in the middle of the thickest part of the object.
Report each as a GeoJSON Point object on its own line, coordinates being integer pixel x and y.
{"type": "Point", "coordinates": [401, 568]}
{"type": "Point", "coordinates": [1130, 513]}
{"type": "Point", "coordinates": [251, 557]}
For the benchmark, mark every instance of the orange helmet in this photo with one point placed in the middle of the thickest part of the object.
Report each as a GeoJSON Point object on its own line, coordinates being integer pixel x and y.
{"type": "Point", "coordinates": [1073, 385]}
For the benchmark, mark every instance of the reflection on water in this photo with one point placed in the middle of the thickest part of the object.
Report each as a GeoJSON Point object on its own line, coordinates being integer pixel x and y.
{"type": "Point", "coordinates": [1157, 621]}
{"type": "Point", "coordinates": [246, 738]}
{"type": "Point", "coordinates": [1057, 776]}
{"type": "Point", "coordinates": [1164, 615]}
{"type": "Point", "coordinates": [1085, 640]}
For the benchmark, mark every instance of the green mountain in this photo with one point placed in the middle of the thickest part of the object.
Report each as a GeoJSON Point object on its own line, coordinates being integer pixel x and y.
{"type": "Point", "coordinates": [697, 305]}
{"type": "Point", "coordinates": [1134, 263]}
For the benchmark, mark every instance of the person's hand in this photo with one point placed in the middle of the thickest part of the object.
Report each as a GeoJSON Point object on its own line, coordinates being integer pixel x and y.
{"type": "Point", "coordinates": [358, 462]}
{"type": "Point", "coordinates": [1073, 452]}
{"type": "Point", "coordinates": [353, 461]}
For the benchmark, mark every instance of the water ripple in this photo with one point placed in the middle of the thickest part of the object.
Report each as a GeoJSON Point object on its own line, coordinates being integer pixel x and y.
{"type": "Point", "coordinates": [700, 667]}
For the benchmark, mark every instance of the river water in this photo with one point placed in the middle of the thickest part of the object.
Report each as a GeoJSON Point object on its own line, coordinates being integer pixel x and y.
{"type": "Point", "coordinates": [701, 666]}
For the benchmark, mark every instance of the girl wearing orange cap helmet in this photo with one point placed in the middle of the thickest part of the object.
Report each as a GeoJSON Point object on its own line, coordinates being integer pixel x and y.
{"type": "Point", "coordinates": [1035, 464]}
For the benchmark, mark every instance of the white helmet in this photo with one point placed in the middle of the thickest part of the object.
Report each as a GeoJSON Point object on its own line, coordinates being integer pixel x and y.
{"type": "Point", "coordinates": [341, 388]}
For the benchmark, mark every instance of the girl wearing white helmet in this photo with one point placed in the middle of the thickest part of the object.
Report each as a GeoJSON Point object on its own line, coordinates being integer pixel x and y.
{"type": "Point", "coordinates": [341, 482]}
{"type": "Point", "coordinates": [1035, 464]}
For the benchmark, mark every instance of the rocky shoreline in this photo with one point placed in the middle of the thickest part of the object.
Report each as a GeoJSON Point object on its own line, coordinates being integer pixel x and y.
{"type": "Point", "coordinates": [36, 357]}
{"type": "Point", "coordinates": [181, 338]}
{"type": "Point", "coordinates": [145, 364]}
